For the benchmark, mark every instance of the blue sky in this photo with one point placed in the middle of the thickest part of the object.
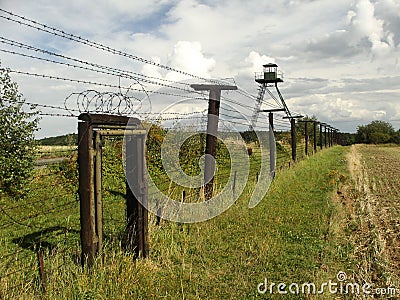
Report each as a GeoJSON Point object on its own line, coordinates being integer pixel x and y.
{"type": "Point", "coordinates": [340, 58]}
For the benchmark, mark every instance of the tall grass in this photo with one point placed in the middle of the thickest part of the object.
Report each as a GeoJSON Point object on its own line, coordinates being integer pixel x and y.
{"type": "Point", "coordinates": [293, 235]}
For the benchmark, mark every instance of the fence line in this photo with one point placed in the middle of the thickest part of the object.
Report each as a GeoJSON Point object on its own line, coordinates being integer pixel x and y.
{"type": "Point", "coordinates": [50, 206]}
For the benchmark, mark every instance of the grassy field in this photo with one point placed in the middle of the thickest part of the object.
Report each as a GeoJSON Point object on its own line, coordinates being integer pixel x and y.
{"type": "Point", "coordinates": [55, 151]}
{"type": "Point", "coordinates": [295, 234]}
{"type": "Point", "coordinates": [375, 205]}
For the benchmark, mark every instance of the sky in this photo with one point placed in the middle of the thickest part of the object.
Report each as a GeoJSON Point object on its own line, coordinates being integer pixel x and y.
{"type": "Point", "coordinates": [340, 58]}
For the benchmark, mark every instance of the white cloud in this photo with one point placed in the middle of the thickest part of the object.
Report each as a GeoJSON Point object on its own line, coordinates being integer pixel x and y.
{"type": "Point", "coordinates": [340, 58]}
{"type": "Point", "coordinates": [254, 61]}
{"type": "Point", "coordinates": [188, 57]}
{"type": "Point", "coordinates": [366, 24]}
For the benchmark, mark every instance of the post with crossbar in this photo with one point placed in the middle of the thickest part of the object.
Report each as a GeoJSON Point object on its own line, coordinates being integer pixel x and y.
{"type": "Point", "coordinates": [136, 197]}
{"type": "Point", "coordinates": [212, 131]}
{"type": "Point", "coordinates": [87, 193]}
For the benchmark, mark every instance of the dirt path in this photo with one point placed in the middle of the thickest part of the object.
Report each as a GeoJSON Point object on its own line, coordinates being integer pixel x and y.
{"type": "Point", "coordinates": [376, 206]}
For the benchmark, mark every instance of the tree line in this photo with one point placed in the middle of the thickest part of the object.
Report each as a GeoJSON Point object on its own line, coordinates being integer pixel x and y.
{"type": "Point", "coordinates": [377, 132]}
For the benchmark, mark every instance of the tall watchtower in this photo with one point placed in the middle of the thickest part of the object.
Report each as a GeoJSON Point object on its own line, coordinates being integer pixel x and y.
{"type": "Point", "coordinates": [269, 77]}
{"type": "Point", "coordinates": [270, 74]}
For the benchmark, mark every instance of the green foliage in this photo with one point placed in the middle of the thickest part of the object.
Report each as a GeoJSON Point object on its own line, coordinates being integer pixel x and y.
{"type": "Point", "coordinates": [300, 126]}
{"type": "Point", "coordinates": [112, 165]}
{"type": "Point", "coordinates": [346, 139]}
{"type": "Point", "coordinates": [68, 170]}
{"type": "Point", "coordinates": [154, 141]}
{"type": "Point", "coordinates": [376, 132]}
{"type": "Point", "coordinates": [17, 143]}
{"type": "Point", "coordinates": [249, 136]}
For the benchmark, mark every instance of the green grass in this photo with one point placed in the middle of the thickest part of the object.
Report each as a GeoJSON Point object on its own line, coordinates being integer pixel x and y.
{"type": "Point", "coordinates": [293, 235]}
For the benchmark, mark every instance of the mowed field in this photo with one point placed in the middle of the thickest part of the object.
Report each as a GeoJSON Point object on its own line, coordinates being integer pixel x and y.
{"type": "Point", "coordinates": [375, 206]}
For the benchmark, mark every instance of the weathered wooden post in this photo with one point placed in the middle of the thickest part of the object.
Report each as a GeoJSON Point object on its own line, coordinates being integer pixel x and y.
{"type": "Point", "coordinates": [212, 131]}
{"type": "Point", "coordinates": [136, 196]}
{"type": "Point", "coordinates": [90, 132]}
{"type": "Point", "coordinates": [86, 192]}
{"type": "Point", "coordinates": [98, 189]}
{"type": "Point", "coordinates": [42, 275]}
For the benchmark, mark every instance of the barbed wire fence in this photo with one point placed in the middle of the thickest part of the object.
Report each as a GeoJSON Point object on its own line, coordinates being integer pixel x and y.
{"type": "Point", "coordinates": [47, 220]}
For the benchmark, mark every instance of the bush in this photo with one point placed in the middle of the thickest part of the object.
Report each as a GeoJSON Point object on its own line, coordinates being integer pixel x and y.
{"type": "Point", "coordinates": [17, 141]}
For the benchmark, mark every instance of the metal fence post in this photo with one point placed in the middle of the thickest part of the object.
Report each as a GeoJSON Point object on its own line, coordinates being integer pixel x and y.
{"type": "Point", "coordinates": [212, 131]}
{"type": "Point", "coordinates": [320, 136]}
{"type": "Point", "coordinates": [293, 137]}
{"type": "Point", "coordinates": [272, 145]}
{"type": "Point", "coordinates": [306, 136]}
{"type": "Point", "coordinates": [315, 136]}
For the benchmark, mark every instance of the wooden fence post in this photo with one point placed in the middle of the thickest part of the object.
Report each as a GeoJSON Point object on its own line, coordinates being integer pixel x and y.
{"type": "Point", "coordinates": [41, 269]}
{"type": "Point", "coordinates": [86, 192]}
{"type": "Point", "coordinates": [98, 189]}
{"type": "Point", "coordinates": [136, 197]}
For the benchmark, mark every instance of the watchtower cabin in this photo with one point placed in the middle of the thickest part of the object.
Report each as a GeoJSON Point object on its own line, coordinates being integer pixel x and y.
{"type": "Point", "coordinates": [270, 74]}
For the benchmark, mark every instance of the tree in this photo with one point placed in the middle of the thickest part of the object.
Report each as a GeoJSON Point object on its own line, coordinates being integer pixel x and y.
{"type": "Point", "coordinates": [18, 123]}
{"type": "Point", "coordinates": [376, 132]}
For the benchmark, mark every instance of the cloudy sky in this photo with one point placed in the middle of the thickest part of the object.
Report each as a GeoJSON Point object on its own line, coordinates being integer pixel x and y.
{"type": "Point", "coordinates": [340, 58]}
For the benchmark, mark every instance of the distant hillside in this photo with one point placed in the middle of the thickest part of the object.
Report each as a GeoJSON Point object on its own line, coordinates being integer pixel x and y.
{"type": "Point", "coordinates": [62, 140]}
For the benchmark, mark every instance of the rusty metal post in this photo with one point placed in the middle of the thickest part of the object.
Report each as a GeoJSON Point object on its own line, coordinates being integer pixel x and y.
{"type": "Point", "coordinates": [212, 131]}
{"type": "Point", "coordinates": [320, 136]}
{"type": "Point", "coordinates": [211, 142]}
{"type": "Point", "coordinates": [293, 138]}
{"type": "Point", "coordinates": [136, 197]}
{"type": "Point", "coordinates": [315, 136]}
{"type": "Point", "coordinates": [272, 145]}
{"type": "Point", "coordinates": [306, 135]}
{"type": "Point", "coordinates": [86, 192]}
{"type": "Point", "coordinates": [98, 189]}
